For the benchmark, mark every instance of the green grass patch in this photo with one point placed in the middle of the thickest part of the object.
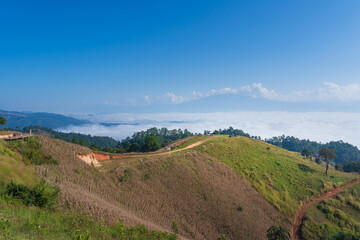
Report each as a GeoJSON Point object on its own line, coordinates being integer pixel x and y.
{"type": "Point", "coordinates": [20, 222]}
{"type": "Point", "coordinates": [330, 216]}
{"type": "Point", "coordinates": [12, 168]}
{"type": "Point", "coordinates": [30, 149]}
{"type": "Point", "coordinates": [41, 195]}
{"type": "Point", "coordinates": [284, 178]}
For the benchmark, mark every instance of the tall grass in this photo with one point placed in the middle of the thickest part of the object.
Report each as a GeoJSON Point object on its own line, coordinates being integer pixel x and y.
{"type": "Point", "coordinates": [20, 222]}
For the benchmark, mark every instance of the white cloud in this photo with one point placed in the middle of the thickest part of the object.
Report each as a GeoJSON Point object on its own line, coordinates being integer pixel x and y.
{"type": "Point", "coordinates": [318, 126]}
{"type": "Point", "coordinates": [327, 92]}
{"type": "Point", "coordinates": [349, 92]}
{"type": "Point", "coordinates": [172, 98]}
{"type": "Point", "coordinates": [256, 90]}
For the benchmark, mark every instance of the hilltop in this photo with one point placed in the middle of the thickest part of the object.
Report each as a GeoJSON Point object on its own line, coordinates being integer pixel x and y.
{"type": "Point", "coordinates": [208, 186]}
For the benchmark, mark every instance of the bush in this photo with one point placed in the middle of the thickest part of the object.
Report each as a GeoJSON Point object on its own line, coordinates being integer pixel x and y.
{"type": "Point", "coordinates": [240, 208]}
{"type": "Point", "coordinates": [42, 195]}
{"type": "Point", "coordinates": [339, 167]}
{"type": "Point", "coordinates": [146, 176]}
{"type": "Point", "coordinates": [222, 237]}
{"type": "Point", "coordinates": [174, 227]}
{"type": "Point", "coordinates": [31, 156]}
{"type": "Point", "coordinates": [277, 233]}
{"type": "Point", "coordinates": [32, 142]}
{"type": "Point", "coordinates": [305, 168]}
{"type": "Point", "coordinates": [344, 236]}
{"type": "Point", "coordinates": [318, 160]}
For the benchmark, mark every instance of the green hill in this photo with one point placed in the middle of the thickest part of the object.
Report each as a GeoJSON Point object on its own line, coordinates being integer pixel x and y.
{"type": "Point", "coordinates": [331, 216]}
{"type": "Point", "coordinates": [284, 178]}
{"type": "Point", "coordinates": [208, 187]}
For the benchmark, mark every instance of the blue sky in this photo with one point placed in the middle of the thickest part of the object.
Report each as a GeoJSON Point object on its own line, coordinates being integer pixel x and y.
{"type": "Point", "coordinates": [184, 56]}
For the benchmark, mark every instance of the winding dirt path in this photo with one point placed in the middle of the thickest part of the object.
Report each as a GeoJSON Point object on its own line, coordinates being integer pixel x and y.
{"type": "Point", "coordinates": [301, 214]}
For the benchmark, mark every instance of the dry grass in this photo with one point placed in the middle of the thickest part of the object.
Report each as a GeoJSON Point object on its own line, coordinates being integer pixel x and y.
{"type": "Point", "coordinates": [84, 187]}
{"type": "Point", "coordinates": [197, 191]}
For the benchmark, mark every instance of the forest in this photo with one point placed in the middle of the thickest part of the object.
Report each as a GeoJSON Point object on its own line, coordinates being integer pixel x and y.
{"type": "Point", "coordinates": [344, 151]}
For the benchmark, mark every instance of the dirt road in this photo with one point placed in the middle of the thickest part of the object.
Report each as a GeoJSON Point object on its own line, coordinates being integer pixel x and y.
{"type": "Point", "coordinates": [301, 214]}
{"type": "Point", "coordinates": [95, 158]}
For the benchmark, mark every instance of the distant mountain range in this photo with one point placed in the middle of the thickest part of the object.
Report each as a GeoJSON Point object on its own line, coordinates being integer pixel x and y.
{"type": "Point", "coordinates": [50, 120]}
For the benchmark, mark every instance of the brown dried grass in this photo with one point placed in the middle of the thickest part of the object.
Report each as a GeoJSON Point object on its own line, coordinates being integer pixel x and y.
{"type": "Point", "coordinates": [197, 191]}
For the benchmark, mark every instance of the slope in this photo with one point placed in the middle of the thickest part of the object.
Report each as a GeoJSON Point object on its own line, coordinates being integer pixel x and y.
{"type": "Point", "coordinates": [283, 178]}
{"type": "Point", "coordinates": [204, 197]}
{"type": "Point", "coordinates": [331, 216]}
{"type": "Point", "coordinates": [22, 216]}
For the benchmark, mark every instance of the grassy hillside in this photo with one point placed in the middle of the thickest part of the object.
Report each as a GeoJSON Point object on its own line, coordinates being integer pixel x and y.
{"type": "Point", "coordinates": [204, 197]}
{"type": "Point", "coordinates": [284, 178]}
{"type": "Point", "coordinates": [237, 187]}
{"type": "Point", "coordinates": [13, 168]}
{"type": "Point", "coordinates": [330, 216]}
{"type": "Point", "coordinates": [22, 218]}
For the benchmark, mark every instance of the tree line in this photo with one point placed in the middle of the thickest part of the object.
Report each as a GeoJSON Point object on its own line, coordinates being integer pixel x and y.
{"type": "Point", "coordinates": [155, 138]}
{"type": "Point", "coordinates": [152, 139]}
{"type": "Point", "coordinates": [144, 141]}
{"type": "Point", "coordinates": [344, 151]}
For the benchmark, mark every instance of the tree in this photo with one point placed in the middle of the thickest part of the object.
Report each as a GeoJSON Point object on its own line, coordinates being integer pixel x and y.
{"type": "Point", "coordinates": [75, 140]}
{"type": "Point", "coordinates": [83, 142]}
{"type": "Point", "coordinates": [328, 155]}
{"type": "Point", "coordinates": [339, 167]}
{"type": "Point", "coordinates": [2, 122]}
{"type": "Point", "coordinates": [150, 144]}
{"type": "Point", "coordinates": [134, 147]}
{"type": "Point", "coordinates": [352, 166]}
{"type": "Point", "coordinates": [306, 153]}
{"type": "Point", "coordinates": [277, 233]}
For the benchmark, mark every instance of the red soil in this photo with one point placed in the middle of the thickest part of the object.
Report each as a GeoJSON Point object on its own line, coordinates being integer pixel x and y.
{"type": "Point", "coordinates": [301, 214]}
{"type": "Point", "coordinates": [102, 157]}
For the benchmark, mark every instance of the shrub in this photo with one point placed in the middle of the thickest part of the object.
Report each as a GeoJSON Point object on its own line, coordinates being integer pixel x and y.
{"type": "Point", "coordinates": [318, 160]}
{"type": "Point", "coordinates": [42, 195]}
{"type": "Point", "coordinates": [31, 156]}
{"type": "Point", "coordinates": [305, 168]}
{"type": "Point", "coordinates": [222, 237]}
{"type": "Point", "coordinates": [344, 236]}
{"type": "Point", "coordinates": [174, 227]}
{"type": "Point", "coordinates": [80, 235]}
{"type": "Point", "coordinates": [339, 167]}
{"type": "Point", "coordinates": [277, 233]}
{"type": "Point", "coordinates": [240, 208]}
{"type": "Point", "coordinates": [32, 142]}
{"type": "Point", "coordinates": [146, 176]}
